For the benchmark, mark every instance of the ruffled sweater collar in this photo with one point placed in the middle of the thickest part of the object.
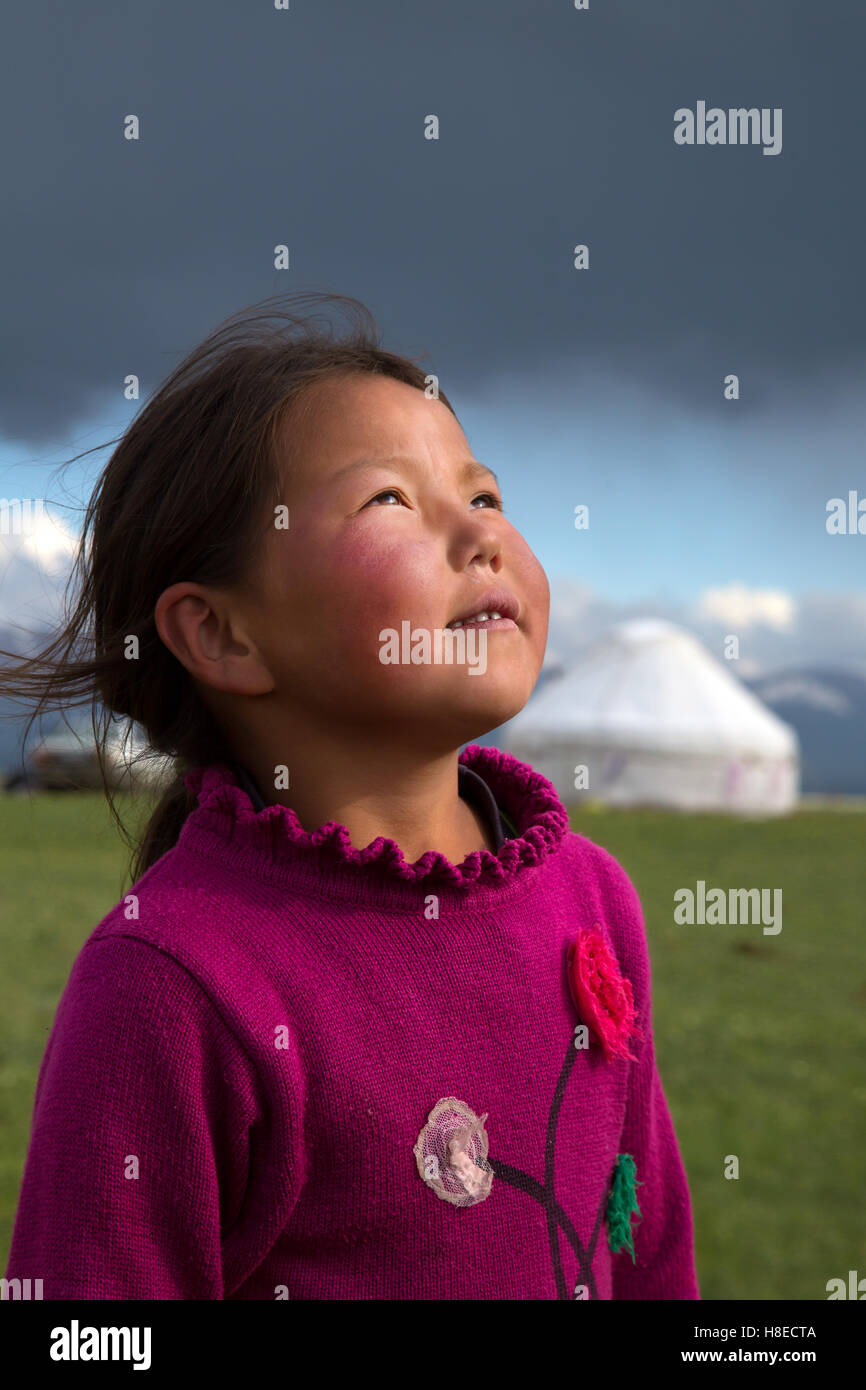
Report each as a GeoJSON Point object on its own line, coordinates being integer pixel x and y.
{"type": "Point", "coordinates": [273, 843]}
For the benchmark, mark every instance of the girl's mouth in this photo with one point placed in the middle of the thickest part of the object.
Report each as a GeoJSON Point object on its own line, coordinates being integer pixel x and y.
{"type": "Point", "coordinates": [489, 621]}
{"type": "Point", "coordinates": [494, 610]}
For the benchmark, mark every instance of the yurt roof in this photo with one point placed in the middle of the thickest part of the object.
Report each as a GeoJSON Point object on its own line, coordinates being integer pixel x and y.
{"type": "Point", "coordinates": [649, 684]}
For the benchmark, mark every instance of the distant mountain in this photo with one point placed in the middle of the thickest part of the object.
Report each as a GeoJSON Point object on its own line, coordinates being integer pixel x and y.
{"type": "Point", "coordinates": [828, 710]}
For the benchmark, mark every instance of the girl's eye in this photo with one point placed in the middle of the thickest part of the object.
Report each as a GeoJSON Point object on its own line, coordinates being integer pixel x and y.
{"type": "Point", "coordinates": [389, 492]}
{"type": "Point", "coordinates": [496, 501]}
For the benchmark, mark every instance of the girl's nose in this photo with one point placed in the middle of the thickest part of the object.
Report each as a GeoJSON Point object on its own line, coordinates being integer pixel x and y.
{"type": "Point", "coordinates": [478, 539]}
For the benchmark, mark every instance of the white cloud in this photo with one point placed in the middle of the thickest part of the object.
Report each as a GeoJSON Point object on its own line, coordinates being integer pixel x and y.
{"type": "Point", "coordinates": [34, 569]}
{"type": "Point", "coordinates": [776, 632]}
{"type": "Point", "coordinates": [49, 544]}
{"type": "Point", "coordinates": [739, 607]}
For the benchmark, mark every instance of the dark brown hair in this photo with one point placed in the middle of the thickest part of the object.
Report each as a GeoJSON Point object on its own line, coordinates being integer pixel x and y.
{"type": "Point", "coordinates": [186, 495]}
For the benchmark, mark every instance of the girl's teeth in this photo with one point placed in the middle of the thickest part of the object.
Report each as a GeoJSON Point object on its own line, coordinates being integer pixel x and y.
{"type": "Point", "coordinates": [477, 618]}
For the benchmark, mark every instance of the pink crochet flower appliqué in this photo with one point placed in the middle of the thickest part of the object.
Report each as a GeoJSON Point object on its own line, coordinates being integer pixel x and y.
{"type": "Point", "coordinates": [451, 1153]}
{"type": "Point", "coordinates": [602, 996]}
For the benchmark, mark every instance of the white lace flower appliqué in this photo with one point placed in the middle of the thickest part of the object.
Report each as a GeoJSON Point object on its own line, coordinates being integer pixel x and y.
{"type": "Point", "coordinates": [451, 1153]}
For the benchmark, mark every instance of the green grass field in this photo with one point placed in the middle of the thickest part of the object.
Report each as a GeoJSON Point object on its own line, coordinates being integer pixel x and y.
{"type": "Point", "coordinates": [761, 1040]}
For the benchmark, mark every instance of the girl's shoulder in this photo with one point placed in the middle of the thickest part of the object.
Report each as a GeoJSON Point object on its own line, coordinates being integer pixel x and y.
{"type": "Point", "coordinates": [185, 956]}
{"type": "Point", "coordinates": [600, 869]}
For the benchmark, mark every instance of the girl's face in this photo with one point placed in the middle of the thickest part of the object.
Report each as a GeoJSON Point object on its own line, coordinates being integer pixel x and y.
{"type": "Point", "coordinates": [392, 520]}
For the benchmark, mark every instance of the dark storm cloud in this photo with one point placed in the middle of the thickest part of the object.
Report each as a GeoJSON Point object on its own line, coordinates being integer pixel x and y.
{"type": "Point", "coordinates": [306, 127]}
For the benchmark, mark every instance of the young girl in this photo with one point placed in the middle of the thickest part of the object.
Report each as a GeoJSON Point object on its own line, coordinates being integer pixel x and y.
{"type": "Point", "coordinates": [371, 1022]}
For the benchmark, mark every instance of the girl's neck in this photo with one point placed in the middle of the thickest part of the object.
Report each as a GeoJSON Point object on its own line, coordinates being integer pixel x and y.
{"type": "Point", "coordinates": [374, 791]}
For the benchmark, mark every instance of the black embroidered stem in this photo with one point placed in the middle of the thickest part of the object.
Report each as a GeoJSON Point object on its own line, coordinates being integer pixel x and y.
{"type": "Point", "coordinates": [545, 1193]}
{"type": "Point", "coordinates": [549, 1166]}
{"type": "Point", "coordinates": [524, 1182]}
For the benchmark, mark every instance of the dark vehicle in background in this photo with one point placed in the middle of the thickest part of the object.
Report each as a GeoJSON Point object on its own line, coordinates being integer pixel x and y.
{"type": "Point", "coordinates": [66, 760]}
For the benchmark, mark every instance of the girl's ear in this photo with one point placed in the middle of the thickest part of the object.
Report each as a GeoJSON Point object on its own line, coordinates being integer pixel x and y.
{"type": "Point", "coordinates": [199, 628]}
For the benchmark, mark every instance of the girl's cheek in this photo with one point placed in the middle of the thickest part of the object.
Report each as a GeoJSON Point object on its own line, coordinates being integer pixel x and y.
{"type": "Point", "coordinates": [380, 571]}
{"type": "Point", "coordinates": [530, 570]}
{"type": "Point", "coordinates": [374, 582]}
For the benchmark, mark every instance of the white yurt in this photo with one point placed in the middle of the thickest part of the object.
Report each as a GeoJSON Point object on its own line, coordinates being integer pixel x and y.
{"type": "Point", "coordinates": [647, 717]}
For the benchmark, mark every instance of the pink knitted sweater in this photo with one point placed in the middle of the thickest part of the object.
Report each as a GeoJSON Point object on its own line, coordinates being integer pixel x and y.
{"type": "Point", "coordinates": [283, 1067]}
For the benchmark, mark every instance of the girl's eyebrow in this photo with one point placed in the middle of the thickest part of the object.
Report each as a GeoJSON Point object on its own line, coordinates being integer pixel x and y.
{"type": "Point", "coordinates": [470, 469]}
